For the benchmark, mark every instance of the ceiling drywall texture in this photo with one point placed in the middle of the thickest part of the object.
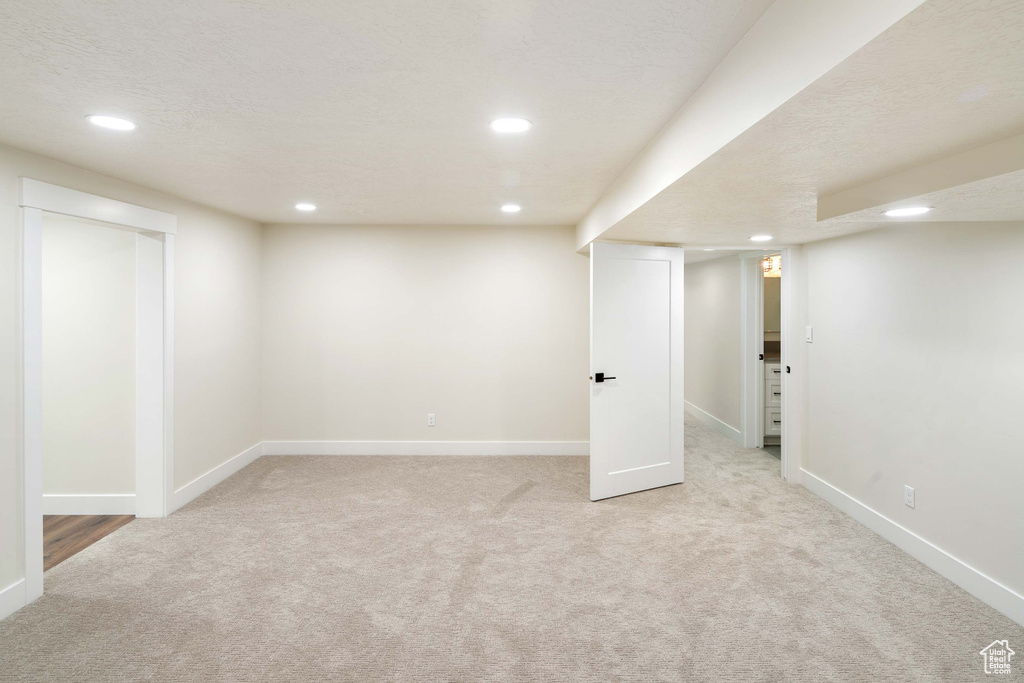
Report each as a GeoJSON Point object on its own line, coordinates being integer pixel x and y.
{"type": "Point", "coordinates": [376, 111]}
{"type": "Point", "coordinates": [1000, 198]}
{"type": "Point", "coordinates": [948, 77]}
{"type": "Point", "coordinates": [698, 255]}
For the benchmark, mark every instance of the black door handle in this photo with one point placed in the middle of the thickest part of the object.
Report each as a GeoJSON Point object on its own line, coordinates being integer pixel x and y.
{"type": "Point", "coordinates": [600, 377]}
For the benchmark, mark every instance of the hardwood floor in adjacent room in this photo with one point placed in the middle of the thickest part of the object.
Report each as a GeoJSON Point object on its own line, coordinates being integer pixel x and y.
{"type": "Point", "coordinates": [65, 535]}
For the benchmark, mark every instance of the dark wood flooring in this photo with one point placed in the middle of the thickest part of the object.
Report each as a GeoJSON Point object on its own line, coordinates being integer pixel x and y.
{"type": "Point", "coordinates": [65, 535]}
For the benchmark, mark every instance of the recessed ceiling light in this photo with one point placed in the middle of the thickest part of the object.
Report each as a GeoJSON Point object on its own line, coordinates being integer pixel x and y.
{"type": "Point", "coordinates": [709, 250]}
{"type": "Point", "coordinates": [111, 122]}
{"type": "Point", "coordinates": [305, 206]}
{"type": "Point", "coordinates": [760, 238]}
{"type": "Point", "coordinates": [510, 125]}
{"type": "Point", "coordinates": [908, 211]}
{"type": "Point", "coordinates": [511, 208]}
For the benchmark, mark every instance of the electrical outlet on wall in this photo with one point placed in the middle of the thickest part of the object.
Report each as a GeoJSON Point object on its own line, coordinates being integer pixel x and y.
{"type": "Point", "coordinates": [431, 420]}
{"type": "Point", "coordinates": [908, 496]}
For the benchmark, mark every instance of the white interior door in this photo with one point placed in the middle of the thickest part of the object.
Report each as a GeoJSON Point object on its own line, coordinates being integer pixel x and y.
{"type": "Point", "coordinates": [636, 356]}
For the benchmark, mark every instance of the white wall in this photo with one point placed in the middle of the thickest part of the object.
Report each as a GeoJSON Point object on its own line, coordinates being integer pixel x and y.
{"type": "Point", "coordinates": [88, 357]}
{"type": "Point", "coordinates": [217, 336]}
{"type": "Point", "coordinates": [217, 331]}
{"type": "Point", "coordinates": [712, 355]}
{"type": "Point", "coordinates": [915, 377]}
{"type": "Point", "coordinates": [367, 329]}
{"type": "Point", "coordinates": [772, 308]}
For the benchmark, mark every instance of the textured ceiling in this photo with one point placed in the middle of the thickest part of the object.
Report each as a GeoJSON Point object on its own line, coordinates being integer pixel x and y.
{"type": "Point", "coordinates": [376, 111]}
{"type": "Point", "coordinates": [700, 255]}
{"type": "Point", "coordinates": [948, 77]}
{"type": "Point", "coordinates": [1000, 198]}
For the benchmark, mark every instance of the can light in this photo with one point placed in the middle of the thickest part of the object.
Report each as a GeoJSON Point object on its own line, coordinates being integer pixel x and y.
{"type": "Point", "coordinates": [511, 208]}
{"type": "Point", "coordinates": [908, 211]}
{"type": "Point", "coordinates": [110, 122]}
{"type": "Point", "coordinates": [305, 206]}
{"type": "Point", "coordinates": [510, 125]}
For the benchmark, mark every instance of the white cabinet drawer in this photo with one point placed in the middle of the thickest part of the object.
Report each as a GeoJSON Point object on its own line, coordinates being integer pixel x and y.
{"type": "Point", "coordinates": [773, 393]}
{"type": "Point", "coordinates": [773, 422]}
{"type": "Point", "coordinates": [773, 371]}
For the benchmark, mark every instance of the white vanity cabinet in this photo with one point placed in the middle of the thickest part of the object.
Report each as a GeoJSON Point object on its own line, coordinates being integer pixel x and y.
{"type": "Point", "coordinates": [772, 399]}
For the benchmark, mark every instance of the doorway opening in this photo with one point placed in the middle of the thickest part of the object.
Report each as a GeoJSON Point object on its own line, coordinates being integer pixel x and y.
{"type": "Point", "coordinates": [736, 346]}
{"type": "Point", "coordinates": [765, 367]}
{"type": "Point", "coordinates": [89, 378]}
{"type": "Point", "coordinates": [771, 330]}
{"type": "Point", "coordinates": [149, 237]}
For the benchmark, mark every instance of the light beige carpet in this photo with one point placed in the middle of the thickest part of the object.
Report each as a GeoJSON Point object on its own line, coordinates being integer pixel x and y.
{"type": "Point", "coordinates": [352, 568]}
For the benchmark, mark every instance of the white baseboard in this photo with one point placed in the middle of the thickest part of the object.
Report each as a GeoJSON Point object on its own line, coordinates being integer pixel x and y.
{"type": "Point", "coordinates": [89, 504]}
{"type": "Point", "coordinates": [12, 598]}
{"type": "Point", "coordinates": [986, 589]}
{"type": "Point", "coordinates": [200, 485]}
{"type": "Point", "coordinates": [194, 489]}
{"type": "Point", "coordinates": [713, 422]}
{"type": "Point", "coordinates": [426, 447]}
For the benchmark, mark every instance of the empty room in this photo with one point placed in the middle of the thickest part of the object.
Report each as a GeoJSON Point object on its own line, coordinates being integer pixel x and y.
{"type": "Point", "coordinates": [525, 341]}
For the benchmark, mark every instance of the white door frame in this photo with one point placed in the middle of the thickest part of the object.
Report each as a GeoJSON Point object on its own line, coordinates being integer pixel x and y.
{"type": "Point", "coordinates": [752, 346]}
{"type": "Point", "coordinates": [154, 339]}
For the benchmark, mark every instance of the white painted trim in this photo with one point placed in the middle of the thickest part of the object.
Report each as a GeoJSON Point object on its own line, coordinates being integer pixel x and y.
{"type": "Point", "coordinates": [39, 195]}
{"type": "Point", "coordinates": [200, 485]}
{"type": "Point", "coordinates": [751, 344]}
{"type": "Point", "coordinates": [12, 598]}
{"type": "Point", "coordinates": [204, 483]}
{"type": "Point", "coordinates": [31, 404]}
{"type": "Point", "coordinates": [710, 420]}
{"type": "Point", "coordinates": [89, 504]}
{"type": "Point", "coordinates": [983, 587]}
{"type": "Point", "coordinates": [426, 447]}
{"type": "Point", "coordinates": [153, 500]}
{"type": "Point", "coordinates": [149, 376]}
{"type": "Point", "coordinates": [168, 378]}
{"type": "Point", "coordinates": [785, 321]}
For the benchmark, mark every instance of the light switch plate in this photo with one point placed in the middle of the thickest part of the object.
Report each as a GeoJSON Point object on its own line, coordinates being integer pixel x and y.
{"type": "Point", "coordinates": [809, 334]}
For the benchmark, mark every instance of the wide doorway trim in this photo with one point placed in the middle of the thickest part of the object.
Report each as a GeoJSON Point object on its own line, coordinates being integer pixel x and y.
{"type": "Point", "coordinates": [154, 349]}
